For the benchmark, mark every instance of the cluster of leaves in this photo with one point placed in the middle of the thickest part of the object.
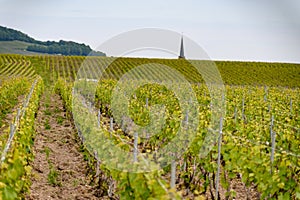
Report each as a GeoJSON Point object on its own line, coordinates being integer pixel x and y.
{"type": "Point", "coordinates": [15, 170]}
{"type": "Point", "coordinates": [248, 145]}
{"type": "Point", "coordinates": [10, 90]}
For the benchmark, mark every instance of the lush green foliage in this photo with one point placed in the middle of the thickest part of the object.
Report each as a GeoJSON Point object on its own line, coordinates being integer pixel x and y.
{"type": "Point", "coordinates": [15, 170]}
{"type": "Point", "coordinates": [10, 90]}
{"type": "Point", "coordinates": [130, 185]}
{"type": "Point", "coordinates": [246, 143]}
{"type": "Point", "coordinates": [232, 73]}
{"type": "Point", "coordinates": [8, 34]}
{"type": "Point", "coordinates": [64, 48]}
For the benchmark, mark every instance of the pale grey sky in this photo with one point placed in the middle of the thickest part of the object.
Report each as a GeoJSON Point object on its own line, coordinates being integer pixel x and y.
{"type": "Point", "coordinates": [260, 30]}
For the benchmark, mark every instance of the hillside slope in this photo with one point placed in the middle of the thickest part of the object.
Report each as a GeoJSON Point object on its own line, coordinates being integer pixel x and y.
{"type": "Point", "coordinates": [15, 47]}
{"type": "Point", "coordinates": [16, 42]}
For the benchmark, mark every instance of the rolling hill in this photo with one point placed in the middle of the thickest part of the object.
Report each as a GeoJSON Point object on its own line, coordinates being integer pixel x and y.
{"type": "Point", "coordinates": [16, 42]}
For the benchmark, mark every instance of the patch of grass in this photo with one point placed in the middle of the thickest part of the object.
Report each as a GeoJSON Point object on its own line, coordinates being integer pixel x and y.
{"type": "Point", "coordinates": [53, 177]}
{"type": "Point", "coordinates": [60, 120]}
{"type": "Point", "coordinates": [64, 141]}
{"type": "Point", "coordinates": [53, 173]}
{"type": "Point", "coordinates": [47, 112]}
{"type": "Point", "coordinates": [57, 110]}
{"type": "Point", "coordinates": [47, 151]}
{"type": "Point", "coordinates": [15, 47]}
{"type": "Point", "coordinates": [47, 125]}
{"type": "Point", "coordinates": [75, 183]}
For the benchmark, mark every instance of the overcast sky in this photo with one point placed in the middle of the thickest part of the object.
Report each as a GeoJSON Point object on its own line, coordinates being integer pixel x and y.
{"type": "Point", "coordinates": [260, 30]}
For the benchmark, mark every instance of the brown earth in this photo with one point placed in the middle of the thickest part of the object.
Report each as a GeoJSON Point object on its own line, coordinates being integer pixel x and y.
{"type": "Point", "coordinates": [59, 170]}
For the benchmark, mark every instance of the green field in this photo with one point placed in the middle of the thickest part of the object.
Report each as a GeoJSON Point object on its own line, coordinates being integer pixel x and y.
{"type": "Point", "coordinates": [254, 155]}
{"type": "Point", "coordinates": [15, 47]}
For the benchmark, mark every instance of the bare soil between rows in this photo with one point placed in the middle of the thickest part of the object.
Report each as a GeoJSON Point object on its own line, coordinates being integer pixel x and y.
{"type": "Point", "coordinates": [59, 170]}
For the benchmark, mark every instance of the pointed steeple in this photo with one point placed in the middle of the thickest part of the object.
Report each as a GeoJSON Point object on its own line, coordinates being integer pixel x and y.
{"type": "Point", "coordinates": [181, 55]}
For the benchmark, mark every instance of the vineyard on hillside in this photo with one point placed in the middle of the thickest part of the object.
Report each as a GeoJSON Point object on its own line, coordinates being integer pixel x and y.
{"type": "Point", "coordinates": [249, 151]}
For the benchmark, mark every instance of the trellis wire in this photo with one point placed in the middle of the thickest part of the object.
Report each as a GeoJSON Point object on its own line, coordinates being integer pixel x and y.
{"type": "Point", "coordinates": [14, 126]}
{"type": "Point", "coordinates": [219, 157]}
{"type": "Point", "coordinates": [272, 134]}
{"type": "Point", "coordinates": [94, 153]}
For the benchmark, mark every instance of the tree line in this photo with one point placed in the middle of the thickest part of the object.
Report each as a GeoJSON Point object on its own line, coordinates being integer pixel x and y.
{"type": "Point", "coordinates": [64, 48]}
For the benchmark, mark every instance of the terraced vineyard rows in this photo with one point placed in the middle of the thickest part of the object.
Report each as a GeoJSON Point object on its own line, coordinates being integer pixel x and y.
{"type": "Point", "coordinates": [233, 73]}
{"type": "Point", "coordinates": [15, 66]}
{"type": "Point", "coordinates": [254, 146]}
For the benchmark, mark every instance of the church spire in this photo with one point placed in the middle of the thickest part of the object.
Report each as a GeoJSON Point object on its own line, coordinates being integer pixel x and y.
{"type": "Point", "coordinates": [181, 55]}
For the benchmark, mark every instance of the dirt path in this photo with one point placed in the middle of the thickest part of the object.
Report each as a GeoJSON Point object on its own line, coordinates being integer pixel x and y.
{"type": "Point", "coordinates": [59, 170]}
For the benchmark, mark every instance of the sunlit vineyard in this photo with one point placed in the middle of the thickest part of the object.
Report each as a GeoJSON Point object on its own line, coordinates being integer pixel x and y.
{"type": "Point", "coordinates": [15, 66]}
{"type": "Point", "coordinates": [255, 154]}
{"type": "Point", "coordinates": [233, 73]}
